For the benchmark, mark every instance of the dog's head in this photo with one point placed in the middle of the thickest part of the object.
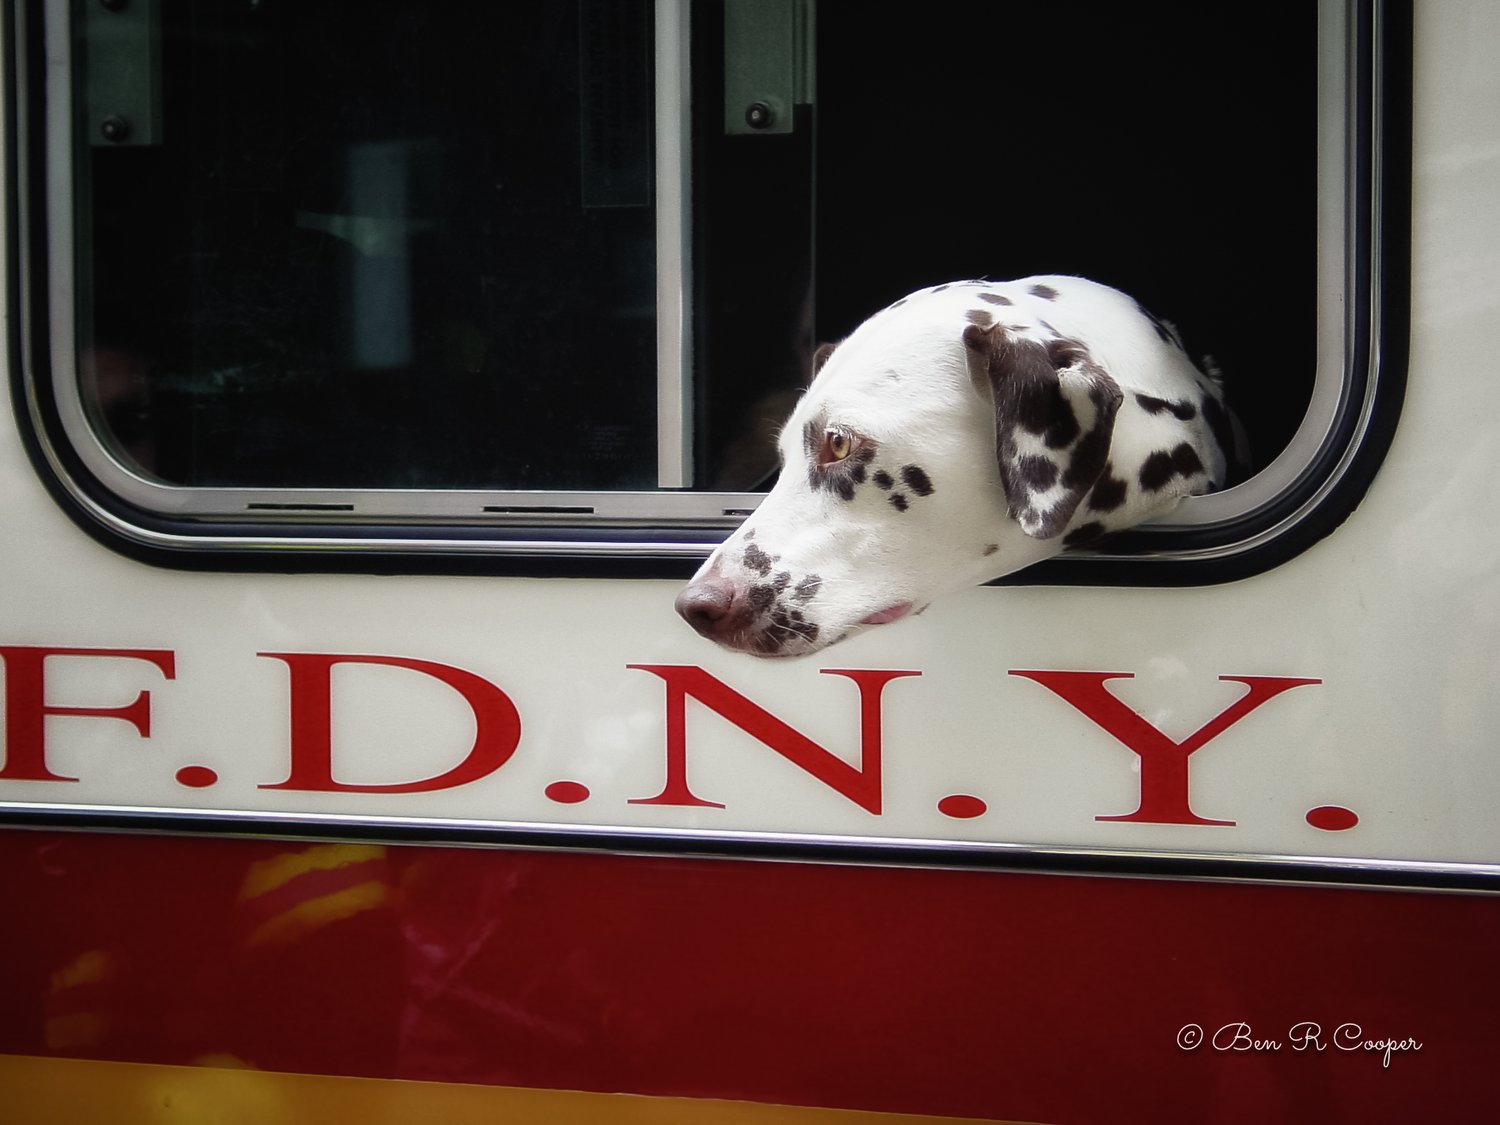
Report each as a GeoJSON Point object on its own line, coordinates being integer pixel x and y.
{"type": "Point", "coordinates": [949, 440]}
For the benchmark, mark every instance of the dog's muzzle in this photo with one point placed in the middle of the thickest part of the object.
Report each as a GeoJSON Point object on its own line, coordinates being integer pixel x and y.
{"type": "Point", "coordinates": [764, 615]}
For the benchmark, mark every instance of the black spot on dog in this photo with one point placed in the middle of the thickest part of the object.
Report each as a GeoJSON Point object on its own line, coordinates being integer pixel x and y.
{"type": "Point", "coordinates": [996, 298]}
{"type": "Point", "coordinates": [786, 623]}
{"type": "Point", "coordinates": [749, 535]}
{"type": "Point", "coordinates": [1045, 292]}
{"type": "Point", "coordinates": [991, 549]}
{"type": "Point", "coordinates": [1156, 470]}
{"type": "Point", "coordinates": [1220, 426]}
{"type": "Point", "coordinates": [1109, 493]}
{"type": "Point", "coordinates": [916, 480]}
{"type": "Point", "coordinates": [1182, 411]}
{"type": "Point", "coordinates": [806, 588]}
{"type": "Point", "coordinates": [980, 317]}
{"type": "Point", "coordinates": [760, 597]}
{"type": "Point", "coordinates": [857, 473]}
{"type": "Point", "coordinates": [1186, 459]}
{"type": "Point", "coordinates": [841, 485]}
{"type": "Point", "coordinates": [1084, 534]}
{"type": "Point", "coordinates": [781, 581]}
{"type": "Point", "coordinates": [757, 560]}
{"type": "Point", "coordinates": [1089, 458]}
{"type": "Point", "coordinates": [1159, 468]}
{"type": "Point", "coordinates": [1039, 407]}
{"type": "Point", "coordinates": [1036, 472]}
{"type": "Point", "coordinates": [812, 439]}
{"type": "Point", "coordinates": [898, 501]}
{"type": "Point", "coordinates": [1061, 428]}
{"type": "Point", "coordinates": [1163, 331]}
{"type": "Point", "coordinates": [883, 479]}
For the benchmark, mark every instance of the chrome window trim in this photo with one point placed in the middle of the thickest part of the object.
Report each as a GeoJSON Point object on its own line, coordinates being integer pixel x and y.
{"type": "Point", "coordinates": [690, 524]}
{"type": "Point", "coordinates": [674, 293]}
{"type": "Point", "coordinates": [1335, 71]}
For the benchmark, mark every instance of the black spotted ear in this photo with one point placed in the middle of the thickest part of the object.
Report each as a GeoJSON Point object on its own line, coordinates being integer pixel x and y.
{"type": "Point", "coordinates": [1054, 417]}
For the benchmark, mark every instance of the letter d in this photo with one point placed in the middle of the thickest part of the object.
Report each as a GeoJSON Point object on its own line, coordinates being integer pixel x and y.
{"type": "Point", "coordinates": [497, 724]}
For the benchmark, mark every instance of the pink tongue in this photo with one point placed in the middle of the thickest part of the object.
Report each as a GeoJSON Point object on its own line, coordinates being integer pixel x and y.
{"type": "Point", "coordinates": [887, 615]}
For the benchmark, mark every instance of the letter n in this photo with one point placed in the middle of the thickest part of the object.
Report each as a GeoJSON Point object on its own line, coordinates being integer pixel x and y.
{"type": "Point", "coordinates": [860, 785]}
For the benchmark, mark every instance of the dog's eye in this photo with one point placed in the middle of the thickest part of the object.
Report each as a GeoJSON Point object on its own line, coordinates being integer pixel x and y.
{"type": "Point", "coordinates": [836, 446]}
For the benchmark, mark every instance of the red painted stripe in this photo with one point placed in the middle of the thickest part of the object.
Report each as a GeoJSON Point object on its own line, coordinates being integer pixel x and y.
{"type": "Point", "coordinates": [943, 992]}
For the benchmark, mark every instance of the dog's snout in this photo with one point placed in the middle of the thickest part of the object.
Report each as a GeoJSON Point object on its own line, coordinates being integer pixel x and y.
{"type": "Point", "coordinates": [706, 605]}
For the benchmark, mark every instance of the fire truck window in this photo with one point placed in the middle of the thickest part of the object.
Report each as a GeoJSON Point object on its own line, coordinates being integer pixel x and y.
{"type": "Point", "coordinates": [571, 259]}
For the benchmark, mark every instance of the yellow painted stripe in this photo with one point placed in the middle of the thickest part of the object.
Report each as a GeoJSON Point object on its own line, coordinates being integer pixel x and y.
{"type": "Point", "coordinates": [76, 1018]}
{"type": "Point", "coordinates": [267, 874]}
{"type": "Point", "coordinates": [86, 968]}
{"type": "Point", "coordinates": [40, 1091]}
{"type": "Point", "coordinates": [308, 916]}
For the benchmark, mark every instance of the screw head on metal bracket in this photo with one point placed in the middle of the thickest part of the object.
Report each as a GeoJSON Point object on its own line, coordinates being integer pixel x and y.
{"type": "Point", "coordinates": [114, 128]}
{"type": "Point", "coordinates": [759, 115]}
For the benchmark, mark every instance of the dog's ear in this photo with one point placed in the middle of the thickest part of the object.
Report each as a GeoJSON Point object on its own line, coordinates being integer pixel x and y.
{"type": "Point", "coordinates": [820, 357]}
{"type": "Point", "coordinates": [1054, 418]}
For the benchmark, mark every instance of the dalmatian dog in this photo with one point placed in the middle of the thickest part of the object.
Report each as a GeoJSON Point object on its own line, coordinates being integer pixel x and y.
{"type": "Point", "coordinates": [965, 432]}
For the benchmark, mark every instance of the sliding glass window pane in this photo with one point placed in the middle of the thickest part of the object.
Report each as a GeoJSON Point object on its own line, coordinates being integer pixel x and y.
{"type": "Point", "coordinates": [368, 243]}
{"type": "Point", "coordinates": [1168, 150]}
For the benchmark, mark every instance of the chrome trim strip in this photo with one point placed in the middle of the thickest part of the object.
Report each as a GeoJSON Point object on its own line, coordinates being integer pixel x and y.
{"type": "Point", "coordinates": [1338, 869]}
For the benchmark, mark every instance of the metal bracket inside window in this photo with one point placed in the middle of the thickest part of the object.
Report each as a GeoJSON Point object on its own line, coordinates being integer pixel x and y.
{"type": "Point", "coordinates": [768, 67]}
{"type": "Point", "coordinates": [122, 72]}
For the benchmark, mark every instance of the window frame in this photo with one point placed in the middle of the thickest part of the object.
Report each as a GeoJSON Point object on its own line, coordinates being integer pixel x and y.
{"type": "Point", "coordinates": [1311, 487]}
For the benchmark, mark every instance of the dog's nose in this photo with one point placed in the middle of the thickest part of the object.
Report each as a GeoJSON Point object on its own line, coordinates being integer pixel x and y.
{"type": "Point", "coordinates": [706, 605]}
